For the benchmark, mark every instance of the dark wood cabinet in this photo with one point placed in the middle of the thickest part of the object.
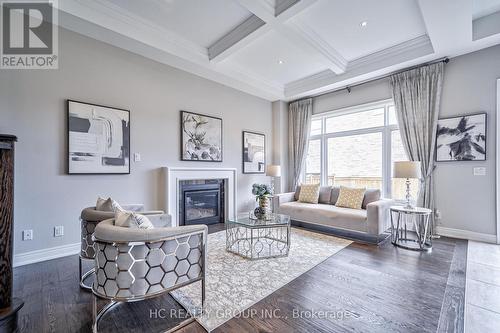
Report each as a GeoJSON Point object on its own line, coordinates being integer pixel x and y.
{"type": "Point", "coordinates": [8, 305]}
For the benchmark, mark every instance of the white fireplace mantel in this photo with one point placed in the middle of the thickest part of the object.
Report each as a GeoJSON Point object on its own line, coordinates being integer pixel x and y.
{"type": "Point", "coordinates": [173, 175]}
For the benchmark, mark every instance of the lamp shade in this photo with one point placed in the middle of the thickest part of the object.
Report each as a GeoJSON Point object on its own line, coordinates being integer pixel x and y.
{"type": "Point", "coordinates": [406, 169]}
{"type": "Point", "coordinates": [273, 171]}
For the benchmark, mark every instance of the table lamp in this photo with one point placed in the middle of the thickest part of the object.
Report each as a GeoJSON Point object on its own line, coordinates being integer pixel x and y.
{"type": "Point", "coordinates": [407, 170]}
{"type": "Point", "coordinates": [273, 171]}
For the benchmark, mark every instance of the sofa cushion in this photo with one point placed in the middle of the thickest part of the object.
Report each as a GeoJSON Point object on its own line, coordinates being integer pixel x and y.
{"type": "Point", "coordinates": [328, 215]}
{"type": "Point", "coordinates": [325, 193]}
{"type": "Point", "coordinates": [350, 197]}
{"type": "Point", "coordinates": [309, 193]}
{"type": "Point", "coordinates": [297, 193]}
{"type": "Point", "coordinates": [334, 195]}
{"type": "Point", "coordinates": [371, 195]}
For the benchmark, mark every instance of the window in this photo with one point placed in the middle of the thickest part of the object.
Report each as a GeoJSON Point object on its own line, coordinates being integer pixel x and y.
{"type": "Point", "coordinates": [313, 162]}
{"type": "Point", "coordinates": [398, 186]}
{"type": "Point", "coordinates": [357, 147]}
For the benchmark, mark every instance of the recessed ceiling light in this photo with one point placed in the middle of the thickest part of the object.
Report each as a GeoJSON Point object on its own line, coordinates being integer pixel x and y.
{"type": "Point", "coordinates": [281, 62]}
{"type": "Point", "coordinates": [363, 24]}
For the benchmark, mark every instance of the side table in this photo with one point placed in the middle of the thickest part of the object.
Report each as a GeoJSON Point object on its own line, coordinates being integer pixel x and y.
{"type": "Point", "coordinates": [419, 216]}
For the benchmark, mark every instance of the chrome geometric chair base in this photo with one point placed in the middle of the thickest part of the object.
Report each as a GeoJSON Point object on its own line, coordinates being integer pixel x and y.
{"type": "Point", "coordinates": [91, 272]}
{"type": "Point", "coordinates": [97, 315]}
{"type": "Point", "coordinates": [133, 264]}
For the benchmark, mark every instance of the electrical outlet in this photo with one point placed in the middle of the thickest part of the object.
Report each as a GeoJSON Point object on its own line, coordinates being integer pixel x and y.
{"type": "Point", "coordinates": [438, 214]}
{"type": "Point", "coordinates": [58, 231]}
{"type": "Point", "coordinates": [137, 157]}
{"type": "Point", "coordinates": [27, 235]}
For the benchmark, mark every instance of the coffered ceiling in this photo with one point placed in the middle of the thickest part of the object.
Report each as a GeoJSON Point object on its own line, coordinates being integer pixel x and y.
{"type": "Point", "coordinates": [286, 49]}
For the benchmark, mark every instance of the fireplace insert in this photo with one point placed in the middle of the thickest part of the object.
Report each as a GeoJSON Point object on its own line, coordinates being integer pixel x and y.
{"type": "Point", "coordinates": [201, 201]}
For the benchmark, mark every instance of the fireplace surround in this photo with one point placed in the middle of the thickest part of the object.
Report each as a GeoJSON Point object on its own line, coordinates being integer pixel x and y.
{"type": "Point", "coordinates": [173, 176]}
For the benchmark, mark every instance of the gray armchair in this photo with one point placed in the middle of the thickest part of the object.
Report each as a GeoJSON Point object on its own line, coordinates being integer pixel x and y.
{"type": "Point", "coordinates": [89, 218]}
{"type": "Point", "coordinates": [136, 264]}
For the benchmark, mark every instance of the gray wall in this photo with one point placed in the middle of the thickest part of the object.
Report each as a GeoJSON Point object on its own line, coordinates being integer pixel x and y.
{"type": "Point", "coordinates": [280, 143]}
{"type": "Point", "coordinates": [32, 105]}
{"type": "Point", "coordinates": [466, 202]}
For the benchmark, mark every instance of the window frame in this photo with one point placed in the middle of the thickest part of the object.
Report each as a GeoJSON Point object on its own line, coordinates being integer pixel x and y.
{"type": "Point", "coordinates": [386, 131]}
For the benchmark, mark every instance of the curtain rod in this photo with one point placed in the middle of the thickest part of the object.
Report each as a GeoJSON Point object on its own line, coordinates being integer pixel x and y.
{"type": "Point", "coordinates": [350, 86]}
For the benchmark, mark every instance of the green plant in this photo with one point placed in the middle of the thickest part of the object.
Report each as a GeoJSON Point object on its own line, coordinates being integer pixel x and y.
{"type": "Point", "coordinates": [261, 190]}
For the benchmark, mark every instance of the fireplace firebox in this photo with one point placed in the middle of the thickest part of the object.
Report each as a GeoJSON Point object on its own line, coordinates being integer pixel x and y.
{"type": "Point", "coordinates": [201, 201]}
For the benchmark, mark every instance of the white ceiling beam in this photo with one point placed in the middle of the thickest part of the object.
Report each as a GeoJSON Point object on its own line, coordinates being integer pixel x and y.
{"type": "Point", "coordinates": [232, 41]}
{"type": "Point", "coordinates": [449, 24]}
{"type": "Point", "coordinates": [102, 21]}
{"type": "Point", "coordinates": [399, 56]}
{"type": "Point", "coordinates": [260, 8]}
{"type": "Point", "coordinates": [302, 33]}
{"type": "Point", "coordinates": [486, 26]}
{"type": "Point", "coordinates": [298, 32]}
{"type": "Point", "coordinates": [263, 10]}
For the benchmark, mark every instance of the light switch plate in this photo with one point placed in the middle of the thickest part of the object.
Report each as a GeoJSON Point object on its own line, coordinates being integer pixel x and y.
{"type": "Point", "coordinates": [479, 171]}
{"type": "Point", "coordinates": [59, 231]}
{"type": "Point", "coordinates": [137, 157]}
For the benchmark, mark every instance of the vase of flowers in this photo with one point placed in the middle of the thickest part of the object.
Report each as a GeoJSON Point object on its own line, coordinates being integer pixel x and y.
{"type": "Point", "coordinates": [262, 193]}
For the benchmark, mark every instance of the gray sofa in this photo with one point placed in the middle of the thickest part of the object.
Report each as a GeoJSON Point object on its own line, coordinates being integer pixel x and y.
{"type": "Point", "coordinates": [367, 224]}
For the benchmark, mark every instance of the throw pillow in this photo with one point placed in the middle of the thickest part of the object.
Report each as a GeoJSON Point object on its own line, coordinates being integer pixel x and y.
{"type": "Point", "coordinates": [104, 205]}
{"type": "Point", "coordinates": [107, 205]}
{"type": "Point", "coordinates": [309, 193]}
{"type": "Point", "coordinates": [132, 220]}
{"type": "Point", "coordinates": [350, 197]}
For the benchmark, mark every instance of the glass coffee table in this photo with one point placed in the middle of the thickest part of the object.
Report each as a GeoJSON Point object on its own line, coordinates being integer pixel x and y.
{"type": "Point", "coordinates": [254, 238]}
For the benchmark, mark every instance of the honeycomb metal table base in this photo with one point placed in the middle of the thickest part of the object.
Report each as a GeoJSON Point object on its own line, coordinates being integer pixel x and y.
{"type": "Point", "coordinates": [258, 241]}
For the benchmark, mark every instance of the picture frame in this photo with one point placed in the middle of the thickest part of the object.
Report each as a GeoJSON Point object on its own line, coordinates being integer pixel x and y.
{"type": "Point", "coordinates": [98, 139]}
{"type": "Point", "coordinates": [253, 152]}
{"type": "Point", "coordinates": [462, 138]}
{"type": "Point", "coordinates": [201, 137]}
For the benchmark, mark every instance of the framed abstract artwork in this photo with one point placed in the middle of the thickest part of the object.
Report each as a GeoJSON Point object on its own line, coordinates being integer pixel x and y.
{"type": "Point", "coordinates": [461, 138]}
{"type": "Point", "coordinates": [201, 137]}
{"type": "Point", "coordinates": [98, 139]}
{"type": "Point", "coordinates": [254, 152]}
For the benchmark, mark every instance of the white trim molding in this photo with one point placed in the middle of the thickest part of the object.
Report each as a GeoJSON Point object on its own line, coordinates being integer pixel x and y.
{"type": "Point", "coordinates": [175, 174]}
{"type": "Point", "coordinates": [497, 162]}
{"type": "Point", "coordinates": [465, 234]}
{"type": "Point", "coordinates": [32, 257]}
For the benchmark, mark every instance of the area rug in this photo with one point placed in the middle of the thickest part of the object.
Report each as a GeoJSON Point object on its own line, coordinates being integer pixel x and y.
{"type": "Point", "coordinates": [233, 283]}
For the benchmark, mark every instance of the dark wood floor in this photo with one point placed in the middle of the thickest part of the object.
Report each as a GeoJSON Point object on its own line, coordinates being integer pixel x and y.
{"type": "Point", "coordinates": [362, 288]}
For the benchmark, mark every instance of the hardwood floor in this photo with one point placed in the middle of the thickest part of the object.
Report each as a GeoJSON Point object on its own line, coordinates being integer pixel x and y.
{"type": "Point", "coordinates": [362, 288]}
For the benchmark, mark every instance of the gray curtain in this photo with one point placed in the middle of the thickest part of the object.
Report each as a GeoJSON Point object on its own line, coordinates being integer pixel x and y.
{"type": "Point", "coordinates": [417, 96]}
{"type": "Point", "coordinates": [299, 127]}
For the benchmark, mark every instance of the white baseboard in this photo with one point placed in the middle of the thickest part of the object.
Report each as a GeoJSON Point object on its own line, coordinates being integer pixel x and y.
{"type": "Point", "coordinates": [465, 234]}
{"type": "Point", "coordinates": [46, 254]}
